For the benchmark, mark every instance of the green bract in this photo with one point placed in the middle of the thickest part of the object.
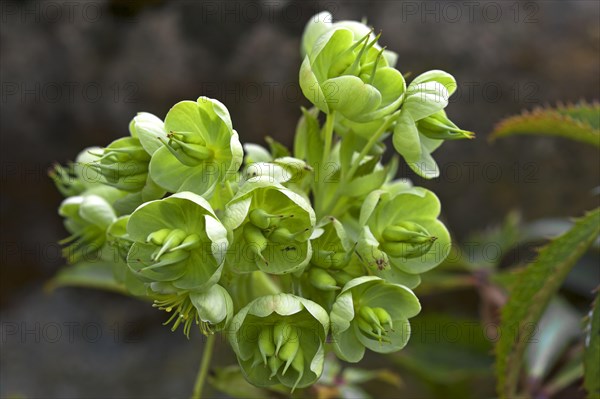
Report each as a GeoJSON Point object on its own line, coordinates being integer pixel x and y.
{"type": "Point", "coordinates": [271, 226]}
{"type": "Point", "coordinates": [280, 339]}
{"type": "Point", "coordinates": [201, 148]}
{"type": "Point", "coordinates": [178, 243]}
{"type": "Point", "coordinates": [371, 313]}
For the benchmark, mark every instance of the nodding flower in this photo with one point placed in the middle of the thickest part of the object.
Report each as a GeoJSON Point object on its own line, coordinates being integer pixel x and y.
{"type": "Point", "coordinates": [179, 246]}
{"type": "Point", "coordinates": [199, 147]}
{"type": "Point", "coordinates": [279, 339]}
{"type": "Point", "coordinates": [370, 313]}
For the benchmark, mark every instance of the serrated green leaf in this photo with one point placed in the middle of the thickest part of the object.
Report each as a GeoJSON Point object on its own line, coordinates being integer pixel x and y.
{"type": "Point", "coordinates": [591, 380]}
{"type": "Point", "coordinates": [531, 293]}
{"type": "Point", "coordinates": [576, 122]}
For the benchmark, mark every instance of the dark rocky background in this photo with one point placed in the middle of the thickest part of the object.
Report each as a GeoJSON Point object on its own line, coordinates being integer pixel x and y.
{"type": "Point", "coordinates": [74, 73]}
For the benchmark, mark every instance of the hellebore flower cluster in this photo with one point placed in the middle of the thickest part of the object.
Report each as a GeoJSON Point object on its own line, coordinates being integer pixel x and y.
{"type": "Point", "coordinates": [288, 254]}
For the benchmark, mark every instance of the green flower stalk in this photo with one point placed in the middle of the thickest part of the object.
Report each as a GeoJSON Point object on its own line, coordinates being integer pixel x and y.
{"type": "Point", "coordinates": [370, 313]}
{"type": "Point", "coordinates": [200, 150]}
{"type": "Point", "coordinates": [271, 226]}
{"type": "Point", "coordinates": [179, 243]}
{"type": "Point", "coordinates": [280, 339]}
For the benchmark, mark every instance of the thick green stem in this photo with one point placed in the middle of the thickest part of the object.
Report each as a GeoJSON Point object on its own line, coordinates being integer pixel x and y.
{"type": "Point", "coordinates": [204, 365]}
{"type": "Point", "coordinates": [328, 137]}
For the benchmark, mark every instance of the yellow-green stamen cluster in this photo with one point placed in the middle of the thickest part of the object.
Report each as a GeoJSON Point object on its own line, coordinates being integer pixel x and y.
{"type": "Point", "coordinates": [182, 311]}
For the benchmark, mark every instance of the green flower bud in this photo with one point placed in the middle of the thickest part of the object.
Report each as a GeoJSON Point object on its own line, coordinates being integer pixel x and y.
{"type": "Point", "coordinates": [271, 226]}
{"type": "Point", "coordinates": [370, 313]}
{"type": "Point", "coordinates": [279, 339]}
{"type": "Point", "coordinates": [200, 148]}
{"type": "Point", "coordinates": [178, 242]}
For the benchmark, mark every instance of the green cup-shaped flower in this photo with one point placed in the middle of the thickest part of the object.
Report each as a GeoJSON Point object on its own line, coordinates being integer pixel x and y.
{"type": "Point", "coordinates": [87, 217]}
{"type": "Point", "coordinates": [178, 242]}
{"type": "Point", "coordinates": [402, 230]}
{"type": "Point", "coordinates": [371, 313]}
{"type": "Point", "coordinates": [349, 74]}
{"type": "Point", "coordinates": [201, 148]}
{"type": "Point", "coordinates": [280, 339]}
{"type": "Point", "coordinates": [271, 228]}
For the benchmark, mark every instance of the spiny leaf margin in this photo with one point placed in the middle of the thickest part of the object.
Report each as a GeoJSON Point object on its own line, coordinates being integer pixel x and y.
{"type": "Point", "coordinates": [531, 293]}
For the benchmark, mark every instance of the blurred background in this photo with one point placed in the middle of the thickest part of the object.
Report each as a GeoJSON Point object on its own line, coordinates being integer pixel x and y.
{"type": "Point", "coordinates": [74, 73]}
